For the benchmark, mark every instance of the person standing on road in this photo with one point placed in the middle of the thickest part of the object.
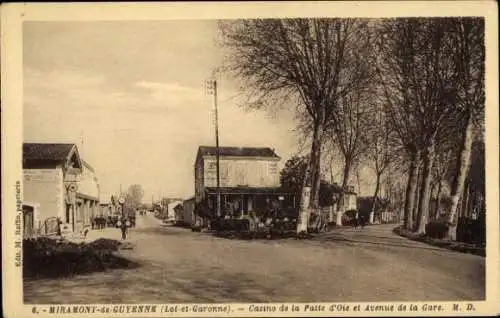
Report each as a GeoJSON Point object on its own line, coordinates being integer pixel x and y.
{"type": "Point", "coordinates": [123, 224]}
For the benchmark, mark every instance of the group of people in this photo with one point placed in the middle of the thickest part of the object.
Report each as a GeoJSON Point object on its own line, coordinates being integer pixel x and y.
{"type": "Point", "coordinates": [98, 223]}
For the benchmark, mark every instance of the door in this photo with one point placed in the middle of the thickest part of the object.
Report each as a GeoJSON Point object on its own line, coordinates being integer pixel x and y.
{"type": "Point", "coordinates": [28, 218]}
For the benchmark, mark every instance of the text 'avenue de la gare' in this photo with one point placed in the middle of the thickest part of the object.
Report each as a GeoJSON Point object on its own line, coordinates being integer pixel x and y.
{"type": "Point", "coordinates": [353, 308]}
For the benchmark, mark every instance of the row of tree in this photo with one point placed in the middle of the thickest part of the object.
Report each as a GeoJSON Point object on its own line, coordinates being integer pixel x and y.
{"type": "Point", "coordinates": [405, 95]}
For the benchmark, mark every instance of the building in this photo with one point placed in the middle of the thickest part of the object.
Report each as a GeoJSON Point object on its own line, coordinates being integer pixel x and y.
{"type": "Point", "coordinates": [349, 199]}
{"type": "Point", "coordinates": [174, 211]}
{"type": "Point", "coordinates": [87, 196]}
{"type": "Point", "coordinates": [249, 181]}
{"type": "Point", "coordinates": [61, 186]}
{"type": "Point", "coordinates": [348, 202]}
{"type": "Point", "coordinates": [109, 208]}
{"type": "Point", "coordinates": [188, 216]}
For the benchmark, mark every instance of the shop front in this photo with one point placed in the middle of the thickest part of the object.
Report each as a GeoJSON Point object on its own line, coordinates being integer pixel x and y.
{"type": "Point", "coordinates": [238, 202]}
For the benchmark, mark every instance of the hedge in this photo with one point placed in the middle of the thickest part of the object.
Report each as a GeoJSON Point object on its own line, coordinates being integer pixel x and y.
{"type": "Point", "coordinates": [49, 257]}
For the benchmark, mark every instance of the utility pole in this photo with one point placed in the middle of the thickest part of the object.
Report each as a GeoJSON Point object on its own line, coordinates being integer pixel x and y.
{"type": "Point", "coordinates": [212, 88]}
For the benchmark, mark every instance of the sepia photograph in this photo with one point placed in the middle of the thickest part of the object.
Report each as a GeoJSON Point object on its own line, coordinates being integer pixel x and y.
{"type": "Point", "coordinates": [335, 163]}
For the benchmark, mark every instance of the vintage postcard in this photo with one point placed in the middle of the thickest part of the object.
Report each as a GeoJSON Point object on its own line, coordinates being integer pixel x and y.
{"type": "Point", "coordinates": [250, 159]}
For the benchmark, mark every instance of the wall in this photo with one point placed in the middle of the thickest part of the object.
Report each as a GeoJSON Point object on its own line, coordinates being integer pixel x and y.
{"type": "Point", "coordinates": [87, 183]}
{"type": "Point", "coordinates": [351, 202]}
{"type": "Point", "coordinates": [104, 210]}
{"type": "Point", "coordinates": [188, 212]}
{"type": "Point", "coordinates": [171, 208]}
{"type": "Point", "coordinates": [242, 171]}
{"type": "Point", "coordinates": [45, 187]}
{"type": "Point", "coordinates": [198, 180]}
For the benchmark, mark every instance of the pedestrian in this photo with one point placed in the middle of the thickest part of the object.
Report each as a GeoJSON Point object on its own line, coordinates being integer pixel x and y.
{"type": "Point", "coordinates": [123, 224]}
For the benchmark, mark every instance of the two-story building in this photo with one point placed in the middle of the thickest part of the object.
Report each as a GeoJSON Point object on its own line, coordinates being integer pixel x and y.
{"type": "Point", "coordinates": [60, 185]}
{"type": "Point", "coordinates": [249, 181]}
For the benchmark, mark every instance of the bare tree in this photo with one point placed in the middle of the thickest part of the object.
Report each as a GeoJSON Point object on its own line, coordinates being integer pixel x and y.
{"type": "Point", "coordinates": [378, 150]}
{"type": "Point", "coordinates": [349, 131]}
{"type": "Point", "coordinates": [418, 61]}
{"type": "Point", "coordinates": [134, 195]}
{"type": "Point", "coordinates": [312, 60]}
{"type": "Point", "coordinates": [468, 39]}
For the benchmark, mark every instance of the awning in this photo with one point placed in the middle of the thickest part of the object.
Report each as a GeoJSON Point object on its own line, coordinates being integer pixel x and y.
{"type": "Point", "coordinates": [86, 197]}
{"type": "Point", "coordinates": [250, 190]}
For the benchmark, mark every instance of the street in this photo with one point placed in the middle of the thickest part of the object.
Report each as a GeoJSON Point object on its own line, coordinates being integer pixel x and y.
{"type": "Point", "coordinates": [180, 266]}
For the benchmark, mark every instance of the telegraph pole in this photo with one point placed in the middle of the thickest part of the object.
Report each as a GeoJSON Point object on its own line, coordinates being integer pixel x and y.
{"type": "Point", "coordinates": [212, 85]}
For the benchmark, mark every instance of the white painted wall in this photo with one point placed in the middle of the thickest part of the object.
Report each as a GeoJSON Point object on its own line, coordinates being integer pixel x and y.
{"type": "Point", "coordinates": [87, 183]}
{"type": "Point", "coordinates": [237, 172]}
{"type": "Point", "coordinates": [45, 187]}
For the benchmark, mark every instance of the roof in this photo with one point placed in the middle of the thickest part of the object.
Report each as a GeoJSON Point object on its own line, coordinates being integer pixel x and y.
{"type": "Point", "coordinates": [85, 163]}
{"type": "Point", "coordinates": [251, 190]}
{"type": "Point", "coordinates": [238, 151]}
{"type": "Point", "coordinates": [47, 153]}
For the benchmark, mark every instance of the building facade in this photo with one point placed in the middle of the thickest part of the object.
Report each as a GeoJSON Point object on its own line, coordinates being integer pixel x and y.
{"type": "Point", "coordinates": [56, 181]}
{"type": "Point", "coordinates": [87, 197]}
{"type": "Point", "coordinates": [188, 215]}
{"type": "Point", "coordinates": [249, 181]}
{"type": "Point", "coordinates": [173, 211]}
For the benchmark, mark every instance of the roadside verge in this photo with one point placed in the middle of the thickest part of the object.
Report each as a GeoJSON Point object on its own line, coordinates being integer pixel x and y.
{"type": "Point", "coordinates": [443, 243]}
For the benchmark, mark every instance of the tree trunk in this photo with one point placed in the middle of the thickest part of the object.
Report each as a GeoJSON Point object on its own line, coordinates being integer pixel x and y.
{"type": "Point", "coordinates": [305, 196]}
{"type": "Point", "coordinates": [316, 177]}
{"type": "Point", "coordinates": [345, 181]}
{"type": "Point", "coordinates": [425, 193]}
{"type": "Point", "coordinates": [410, 191]}
{"type": "Point", "coordinates": [374, 201]}
{"type": "Point", "coordinates": [462, 168]}
{"type": "Point", "coordinates": [358, 180]}
{"type": "Point", "coordinates": [438, 199]}
{"type": "Point", "coordinates": [417, 197]}
{"type": "Point", "coordinates": [347, 171]}
{"type": "Point", "coordinates": [310, 189]}
{"type": "Point", "coordinates": [466, 200]}
{"type": "Point", "coordinates": [433, 199]}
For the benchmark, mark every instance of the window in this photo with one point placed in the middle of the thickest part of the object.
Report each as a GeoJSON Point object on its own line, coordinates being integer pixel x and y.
{"type": "Point", "coordinates": [224, 170]}
{"type": "Point", "coordinates": [241, 173]}
{"type": "Point", "coordinates": [273, 168]}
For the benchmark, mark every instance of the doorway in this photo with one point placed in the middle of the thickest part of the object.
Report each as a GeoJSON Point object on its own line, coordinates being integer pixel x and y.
{"type": "Point", "coordinates": [29, 220]}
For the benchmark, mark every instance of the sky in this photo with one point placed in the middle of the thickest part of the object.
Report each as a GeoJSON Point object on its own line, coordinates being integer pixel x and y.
{"type": "Point", "coordinates": [131, 96]}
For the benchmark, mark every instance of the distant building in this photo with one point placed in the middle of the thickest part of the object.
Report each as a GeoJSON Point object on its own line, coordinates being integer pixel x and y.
{"type": "Point", "coordinates": [104, 209]}
{"type": "Point", "coordinates": [61, 186]}
{"type": "Point", "coordinates": [249, 180]}
{"type": "Point", "coordinates": [174, 214]}
{"type": "Point", "coordinates": [349, 201]}
{"type": "Point", "coordinates": [188, 216]}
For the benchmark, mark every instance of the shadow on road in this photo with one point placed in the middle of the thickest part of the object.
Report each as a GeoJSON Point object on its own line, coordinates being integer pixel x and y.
{"type": "Point", "coordinates": [383, 241]}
